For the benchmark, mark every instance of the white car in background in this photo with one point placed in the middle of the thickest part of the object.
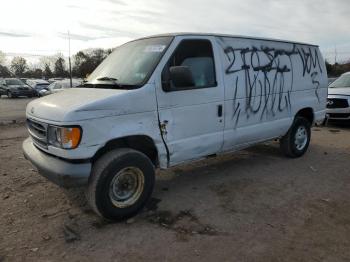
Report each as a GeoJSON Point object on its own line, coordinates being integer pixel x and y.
{"type": "Point", "coordinates": [59, 86]}
{"type": "Point", "coordinates": [338, 102]}
{"type": "Point", "coordinates": [51, 80]}
{"type": "Point", "coordinates": [331, 80]}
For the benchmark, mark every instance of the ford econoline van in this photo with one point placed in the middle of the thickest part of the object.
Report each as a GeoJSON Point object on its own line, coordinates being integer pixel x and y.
{"type": "Point", "coordinates": [163, 100]}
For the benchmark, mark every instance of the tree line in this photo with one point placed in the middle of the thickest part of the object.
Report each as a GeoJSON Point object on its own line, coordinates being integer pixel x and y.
{"type": "Point", "coordinates": [335, 70]}
{"type": "Point", "coordinates": [83, 63]}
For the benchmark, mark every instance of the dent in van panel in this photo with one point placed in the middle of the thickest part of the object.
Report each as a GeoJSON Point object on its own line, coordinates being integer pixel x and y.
{"type": "Point", "coordinates": [193, 148]}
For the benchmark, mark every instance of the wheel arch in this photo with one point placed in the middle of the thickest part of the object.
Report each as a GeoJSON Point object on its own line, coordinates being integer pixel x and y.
{"type": "Point", "coordinates": [142, 143]}
{"type": "Point", "coordinates": [307, 113]}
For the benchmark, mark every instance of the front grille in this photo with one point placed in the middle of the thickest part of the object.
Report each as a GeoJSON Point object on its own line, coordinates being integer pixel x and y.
{"type": "Point", "coordinates": [38, 132]}
{"type": "Point", "coordinates": [339, 115]}
{"type": "Point", "coordinates": [337, 103]}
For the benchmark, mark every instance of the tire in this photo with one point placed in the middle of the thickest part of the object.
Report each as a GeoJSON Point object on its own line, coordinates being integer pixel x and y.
{"type": "Point", "coordinates": [9, 94]}
{"type": "Point", "coordinates": [121, 167]}
{"type": "Point", "coordinates": [292, 146]}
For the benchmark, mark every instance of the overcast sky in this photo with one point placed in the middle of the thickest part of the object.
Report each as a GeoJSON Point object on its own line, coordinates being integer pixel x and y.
{"type": "Point", "coordinates": [39, 27]}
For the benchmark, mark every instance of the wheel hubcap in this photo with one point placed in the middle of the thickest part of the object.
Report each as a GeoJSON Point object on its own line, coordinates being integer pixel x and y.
{"type": "Point", "coordinates": [301, 138]}
{"type": "Point", "coordinates": [126, 187]}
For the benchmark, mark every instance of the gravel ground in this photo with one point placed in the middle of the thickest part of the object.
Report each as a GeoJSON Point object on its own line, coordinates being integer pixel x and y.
{"type": "Point", "coordinates": [252, 205]}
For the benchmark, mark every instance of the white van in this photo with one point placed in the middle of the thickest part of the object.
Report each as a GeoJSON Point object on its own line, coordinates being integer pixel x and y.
{"type": "Point", "coordinates": [164, 100]}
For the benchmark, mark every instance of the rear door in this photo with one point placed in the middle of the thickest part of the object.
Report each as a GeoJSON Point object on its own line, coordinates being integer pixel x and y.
{"type": "Point", "coordinates": [191, 119]}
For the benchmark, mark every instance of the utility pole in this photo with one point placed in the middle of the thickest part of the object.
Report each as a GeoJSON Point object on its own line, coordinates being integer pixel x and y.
{"type": "Point", "coordinates": [335, 54]}
{"type": "Point", "coordinates": [70, 65]}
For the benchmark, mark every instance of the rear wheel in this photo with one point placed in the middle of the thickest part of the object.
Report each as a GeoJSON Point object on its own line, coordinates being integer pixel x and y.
{"type": "Point", "coordinates": [121, 182]}
{"type": "Point", "coordinates": [297, 140]}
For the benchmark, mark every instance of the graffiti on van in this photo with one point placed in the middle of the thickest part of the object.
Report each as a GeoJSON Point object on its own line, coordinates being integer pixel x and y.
{"type": "Point", "coordinates": [267, 76]}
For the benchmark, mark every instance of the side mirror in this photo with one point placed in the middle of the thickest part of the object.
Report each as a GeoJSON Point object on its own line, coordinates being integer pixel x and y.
{"type": "Point", "coordinates": [181, 76]}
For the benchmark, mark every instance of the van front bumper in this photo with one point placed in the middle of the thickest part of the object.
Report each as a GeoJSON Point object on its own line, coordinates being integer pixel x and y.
{"type": "Point", "coordinates": [58, 171]}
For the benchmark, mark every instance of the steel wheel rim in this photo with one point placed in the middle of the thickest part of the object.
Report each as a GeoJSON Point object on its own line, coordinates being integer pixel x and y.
{"type": "Point", "coordinates": [126, 187]}
{"type": "Point", "coordinates": [301, 138]}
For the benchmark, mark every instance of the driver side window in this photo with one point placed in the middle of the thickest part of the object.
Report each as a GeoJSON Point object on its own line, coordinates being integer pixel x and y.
{"type": "Point", "coordinates": [197, 56]}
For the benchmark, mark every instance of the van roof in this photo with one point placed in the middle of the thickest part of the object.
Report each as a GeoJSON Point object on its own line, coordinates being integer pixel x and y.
{"type": "Point", "coordinates": [233, 36]}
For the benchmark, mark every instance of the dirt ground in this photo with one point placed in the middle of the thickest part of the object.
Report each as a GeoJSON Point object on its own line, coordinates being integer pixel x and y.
{"type": "Point", "coordinates": [252, 205]}
{"type": "Point", "coordinates": [13, 110]}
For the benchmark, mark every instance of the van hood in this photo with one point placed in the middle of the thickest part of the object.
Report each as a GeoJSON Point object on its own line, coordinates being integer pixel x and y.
{"type": "Point", "coordinates": [77, 104]}
{"type": "Point", "coordinates": [339, 91]}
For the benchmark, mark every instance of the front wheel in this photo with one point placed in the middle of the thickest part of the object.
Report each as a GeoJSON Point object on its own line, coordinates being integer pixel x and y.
{"type": "Point", "coordinates": [9, 94]}
{"type": "Point", "coordinates": [297, 140]}
{"type": "Point", "coordinates": [120, 184]}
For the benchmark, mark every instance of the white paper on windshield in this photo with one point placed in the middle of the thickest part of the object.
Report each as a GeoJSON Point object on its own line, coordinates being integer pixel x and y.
{"type": "Point", "coordinates": [154, 48]}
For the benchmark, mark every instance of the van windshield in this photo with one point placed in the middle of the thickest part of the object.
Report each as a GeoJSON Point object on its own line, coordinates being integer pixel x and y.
{"type": "Point", "coordinates": [129, 65]}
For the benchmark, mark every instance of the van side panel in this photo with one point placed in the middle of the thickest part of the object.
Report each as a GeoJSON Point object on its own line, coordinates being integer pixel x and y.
{"type": "Point", "coordinates": [266, 84]}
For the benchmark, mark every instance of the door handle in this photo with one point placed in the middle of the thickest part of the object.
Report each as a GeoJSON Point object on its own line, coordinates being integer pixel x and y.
{"type": "Point", "coordinates": [219, 110]}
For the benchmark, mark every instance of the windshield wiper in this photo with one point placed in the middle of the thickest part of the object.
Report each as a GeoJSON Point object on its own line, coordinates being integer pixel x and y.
{"type": "Point", "coordinates": [113, 80]}
{"type": "Point", "coordinates": [111, 85]}
{"type": "Point", "coordinates": [106, 78]}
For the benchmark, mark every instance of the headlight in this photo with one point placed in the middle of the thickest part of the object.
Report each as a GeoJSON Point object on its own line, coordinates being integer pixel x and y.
{"type": "Point", "coordinates": [64, 137]}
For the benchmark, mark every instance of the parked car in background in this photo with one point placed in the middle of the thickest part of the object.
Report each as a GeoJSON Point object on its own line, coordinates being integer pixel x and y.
{"type": "Point", "coordinates": [58, 86]}
{"type": "Point", "coordinates": [331, 80]}
{"type": "Point", "coordinates": [51, 80]}
{"type": "Point", "coordinates": [339, 98]}
{"type": "Point", "coordinates": [38, 84]}
{"type": "Point", "coordinates": [13, 87]}
{"type": "Point", "coordinates": [24, 80]}
{"type": "Point", "coordinates": [2, 91]}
